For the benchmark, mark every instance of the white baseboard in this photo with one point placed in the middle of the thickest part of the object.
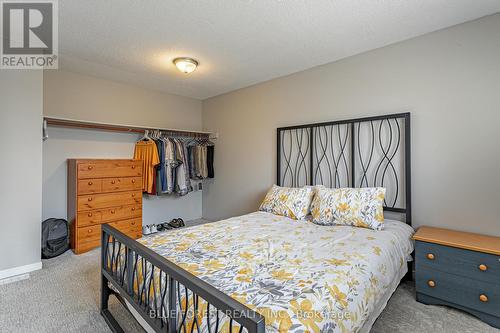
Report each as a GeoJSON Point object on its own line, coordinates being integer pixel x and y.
{"type": "Point", "coordinates": [20, 270]}
{"type": "Point", "coordinates": [15, 279]}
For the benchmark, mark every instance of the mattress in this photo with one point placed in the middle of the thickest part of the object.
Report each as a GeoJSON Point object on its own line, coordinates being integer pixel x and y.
{"type": "Point", "coordinates": [298, 275]}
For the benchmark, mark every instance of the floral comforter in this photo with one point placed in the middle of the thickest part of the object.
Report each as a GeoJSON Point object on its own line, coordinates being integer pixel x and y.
{"type": "Point", "coordinates": [300, 276]}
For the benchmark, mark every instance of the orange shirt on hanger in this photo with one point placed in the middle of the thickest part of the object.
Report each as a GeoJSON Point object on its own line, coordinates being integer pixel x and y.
{"type": "Point", "coordinates": [148, 153]}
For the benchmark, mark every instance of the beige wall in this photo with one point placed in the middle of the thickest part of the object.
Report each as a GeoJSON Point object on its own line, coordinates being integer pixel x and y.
{"type": "Point", "coordinates": [76, 96]}
{"type": "Point", "coordinates": [20, 170]}
{"type": "Point", "coordinates": [449, 80]}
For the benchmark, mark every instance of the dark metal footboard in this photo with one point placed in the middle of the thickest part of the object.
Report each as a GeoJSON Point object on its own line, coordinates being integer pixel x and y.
{"type": "Point", "coordinates": [169, 298]}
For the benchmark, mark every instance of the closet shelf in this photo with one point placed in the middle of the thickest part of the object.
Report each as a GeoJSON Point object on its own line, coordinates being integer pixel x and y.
{"type": "Point", "coordinates": [63, 122]}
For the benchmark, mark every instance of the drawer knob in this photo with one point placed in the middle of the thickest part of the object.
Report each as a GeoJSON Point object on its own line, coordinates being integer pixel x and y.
{"type": "Point", "coordinates": [90, 183]}
{"type": "Point", "coordinates": [89, 199]}
{"type": "Point", "coordinates": [430, 256]}
{"type": "Point", "coordinates": [90, 167]}
{"type": "Point", "coordinates": [133, 195]}
{"type": "Point", "coordinates": [112, 211]}
{"type": "Point", "coordinates": [89, 231]}
{"type": "Point", "coordinates": [133, 166]}
{"type": "Point", "coordinates": [431, 283]}
{"type": "Point", "coordinates": [133, 208]}
{"type": "Point", "coordinates": [133, 181]}
{"type": "Point", "coordinates": [483, 298]}
{"type": "Point", "coordinates": [483, 267]}
{"type": "Point", "coordinates": [112, 182]}
{"type": "Point", "coordinates": [89, 214]}
{"type": "Point", "coordinates": [132, 223]}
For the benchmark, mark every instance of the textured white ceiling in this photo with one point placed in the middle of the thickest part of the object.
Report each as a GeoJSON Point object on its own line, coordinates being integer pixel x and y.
{"type": "Point", "coordinates": [238, 42]}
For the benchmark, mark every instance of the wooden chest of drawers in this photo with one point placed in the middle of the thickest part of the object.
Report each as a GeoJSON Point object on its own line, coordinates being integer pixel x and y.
{"type": "Point", "coordinates": [103, 191]}
{"type": "Point", "coordinates": [459, 269]}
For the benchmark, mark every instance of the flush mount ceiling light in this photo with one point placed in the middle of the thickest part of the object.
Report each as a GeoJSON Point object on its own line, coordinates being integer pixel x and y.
{"type": "Point", "coordinates": [185, 65]}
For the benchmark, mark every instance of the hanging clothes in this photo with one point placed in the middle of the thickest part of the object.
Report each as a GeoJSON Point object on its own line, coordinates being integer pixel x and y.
{"type": "Point", "coordinates": [171, 164]}
{"type": "Point", "coordinates": [153, 186]}
{"type": "Point", "coordinates": [197, 162]}
{"type": "Point", "coordinates": [146, 151]}
{"type": "Point", "coordinates": [200, 161]}
{"type": "Point", "coordinates": [183, 183]}
{"type": "Point", "coordinates": [210, 161]}
{"type": "Point", "coordinates": [203, 161]}
{"type": "Point", "coordinates": [190, 157]}
{"type": "Point", "coordinates": [160, 168]}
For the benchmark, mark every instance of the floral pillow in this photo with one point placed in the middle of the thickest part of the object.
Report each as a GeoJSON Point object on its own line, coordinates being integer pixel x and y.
{"type": "Point", "coordinates": [288, 201]}
{"type": "Point", "coordinates": [358, 207]}
{"type": "Point", "coordinates": [315, 189]}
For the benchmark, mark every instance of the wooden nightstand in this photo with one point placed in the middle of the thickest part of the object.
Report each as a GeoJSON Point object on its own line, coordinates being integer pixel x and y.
{"type": "Point", "coordinates": [459, 269]}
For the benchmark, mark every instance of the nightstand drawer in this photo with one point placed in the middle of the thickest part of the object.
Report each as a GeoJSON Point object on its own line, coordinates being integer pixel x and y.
{"type": "Point", "coordinates": [472, 294]}
{"type": "Point", "coordinates": [475, 265]}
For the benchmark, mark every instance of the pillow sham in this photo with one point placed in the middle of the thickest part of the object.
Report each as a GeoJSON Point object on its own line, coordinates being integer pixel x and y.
{"type": "Point", "coordinates": [315, 189]}
{"type": "Point", "coordinates": [288, 201]}
{"type": "Point", "coordinates": [358, 207]}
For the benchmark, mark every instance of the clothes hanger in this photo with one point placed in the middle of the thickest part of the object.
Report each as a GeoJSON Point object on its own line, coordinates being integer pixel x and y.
{"type": "Point", "coordinates": [146, 136]}
{"type": "Point", "coordinates": [207, 140]}
{"type": "Point", "coordinates": [189, 140]}
{"type": "Point", "coordinates": [156, 134]}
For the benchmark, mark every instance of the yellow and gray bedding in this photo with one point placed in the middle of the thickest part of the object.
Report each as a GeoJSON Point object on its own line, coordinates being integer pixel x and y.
{"type": "Point", "coordinates": [300, 276]}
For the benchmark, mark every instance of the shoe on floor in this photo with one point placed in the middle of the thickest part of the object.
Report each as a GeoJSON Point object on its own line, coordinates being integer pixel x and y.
{"type": "Point", "coordinates": [176, 223]}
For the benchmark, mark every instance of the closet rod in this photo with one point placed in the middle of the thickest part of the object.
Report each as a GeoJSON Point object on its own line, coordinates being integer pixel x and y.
{"type": "Point", "coordinates": [62, 122]}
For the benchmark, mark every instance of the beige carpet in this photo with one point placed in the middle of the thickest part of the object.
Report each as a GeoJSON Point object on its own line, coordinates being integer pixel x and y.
{"type": "Point", "coordinates": [64, 297]}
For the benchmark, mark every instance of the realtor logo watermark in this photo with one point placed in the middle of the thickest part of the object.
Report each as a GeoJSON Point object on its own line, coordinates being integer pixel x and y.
{"type": "Point", "coordinates": [29, 34]}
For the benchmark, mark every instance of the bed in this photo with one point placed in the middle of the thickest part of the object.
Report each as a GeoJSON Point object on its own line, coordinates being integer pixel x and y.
{"type": "Point", "coordinates": [262, 272]}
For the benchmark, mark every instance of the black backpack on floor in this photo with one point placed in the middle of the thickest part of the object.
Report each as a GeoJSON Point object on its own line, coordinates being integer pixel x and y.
{"type": "Point", "coordinates": [55, 237]}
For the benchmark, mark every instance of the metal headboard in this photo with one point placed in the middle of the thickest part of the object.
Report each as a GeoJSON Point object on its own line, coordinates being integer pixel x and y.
{"type": "Point", "coordinates": [363, 152]}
